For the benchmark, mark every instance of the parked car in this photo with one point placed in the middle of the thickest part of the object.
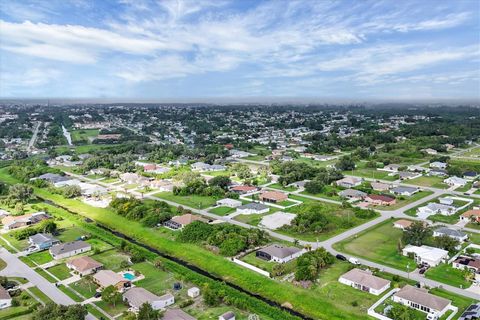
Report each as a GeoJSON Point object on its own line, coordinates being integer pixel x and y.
{"type": "Point", "coordinates": [353, 261]}
{"type": "Point", "coordinates": [97, 294]}
{"type": "Point", "coordinates": [341, 257]}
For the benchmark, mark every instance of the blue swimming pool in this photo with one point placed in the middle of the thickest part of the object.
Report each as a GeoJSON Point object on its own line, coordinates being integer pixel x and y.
{"type": "Point", "coordinates": [129, 276]}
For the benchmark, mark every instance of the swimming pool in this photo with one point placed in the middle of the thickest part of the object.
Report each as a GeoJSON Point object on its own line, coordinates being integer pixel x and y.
{"type": "Point", "coordinates": [129, 276]}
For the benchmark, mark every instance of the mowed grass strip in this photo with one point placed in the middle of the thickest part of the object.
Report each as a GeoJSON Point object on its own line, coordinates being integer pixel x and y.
{"type": "Point", "coordinates": [378, 244]}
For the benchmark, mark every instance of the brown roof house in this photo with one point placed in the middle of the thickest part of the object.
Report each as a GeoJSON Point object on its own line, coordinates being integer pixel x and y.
{"type": "Point", "coordinates": [179, 222]}
{"type": "Point", "coordinates": [402, 224]}
{"type": "Point", "coordinates": [273, 196]}
{"type": "Point", "coordinates": [470, 215]}
{"type": "Point", "coordinates": [379, 200]}
{"type": "Point", "coordinates": [84, 265]}
{"type": "Point", "coordinates": [105, 278]}
{"type": "Point", "coordinates": [137, 296]}
{"type": "Point", "coordinates": [13, 222]}
{"type": "Point", "coordinates": [420, 299]}
{"type": "Point", "coordinates": [365, 281]}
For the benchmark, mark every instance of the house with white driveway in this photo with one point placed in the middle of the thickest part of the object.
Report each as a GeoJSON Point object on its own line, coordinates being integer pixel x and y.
{"type": "Point", "coordinates": [420, 299]}
{"type": "Point", "coordinates": [458, 235]}
{"type": "Point", "coordinates": [426, 254]}
{"type": "Point", "coordinates": [455, 181]}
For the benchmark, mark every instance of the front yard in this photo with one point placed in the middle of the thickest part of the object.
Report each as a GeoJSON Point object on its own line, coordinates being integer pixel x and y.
{"type": "Point", "coordinates": [447, 274]}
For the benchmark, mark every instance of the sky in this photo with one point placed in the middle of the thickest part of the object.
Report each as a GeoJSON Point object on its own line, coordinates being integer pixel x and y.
{"type": "Point", "coordinates": [176, 49]}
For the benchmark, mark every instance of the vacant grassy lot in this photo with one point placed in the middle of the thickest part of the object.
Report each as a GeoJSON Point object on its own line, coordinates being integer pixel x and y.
{"type": "Point", "coordinates": [85, 287]}
{"type": "Point", "coordinates": [60, 271]}
{"type": "Point", "coordinates": [156, 280]}
{"type": "Point", "coordinates": [111, 259]}
{"type": "Point", "coordinates": [378, 244]}
{"type": "Point", "coordinates": [328, 192]}
{"type": "Point", "coordinates": [193, 201]}
{"type": "Point", "coordinates": [222, 211]}
{"type": "Point", "coordinates": [428, 181]}
{"type": "Point", "coordinates": [447, 274]}
{"type": "Point", "coordinates": [84, 134]}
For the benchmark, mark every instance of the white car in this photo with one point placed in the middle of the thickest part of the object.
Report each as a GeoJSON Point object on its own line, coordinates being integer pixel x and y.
{"type": "Point", "coordinates": [353, 261]}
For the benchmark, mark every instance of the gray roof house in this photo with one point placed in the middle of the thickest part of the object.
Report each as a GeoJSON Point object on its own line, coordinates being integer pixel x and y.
{"type": "Point", "coordinates": [176, 314]}
{"type": "Point", "coordinates": [253, 208]}
{"type": "Point", "coordinates": [352, 194]}
{"type": "Point", "coordinates": [420, 299]}
{"type": "Point", "coordinates": [227, 316]}
{"type": "Point", "coordinates": [278, 253]}
{"type": "Point", "coordinates": [137, 296]}
{"type": "Point", "coordinates": [404, 191]}
{"type": "Point", "coordinates": [42, 241]}
{"type": "Point", "coordinates": [452, 233]}
{"type": "Point", "coordinates": [65, 250]}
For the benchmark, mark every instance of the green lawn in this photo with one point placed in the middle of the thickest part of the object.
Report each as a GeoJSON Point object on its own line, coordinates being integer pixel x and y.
{"type": "Point", "coordinates": [460, 302]}
{"type": "Point", "coordinates": [71, 234]}
{"type": "Point", "coordinates": [112, 310]}
{"type": "Point", "coordinates": [39, 294]}
{"type": "Point", "coordinates": [42, 272]}
{"type": "Point", "coordinates": [85, 287]}
{"type": "Point", "coordinates": [287, 203]}
{"type": "Point", "coordinates": [97, 314]}
{"type": "Point", "coordinates": [60, 271]}
{"type": "Point", "coordinates": [111, 259]}
{"type": "Point", "coordinates": [20, 312]}
{"type": "Point", "coordinates": [70, 293]}
{"type": "Point", "coordinates": [156, 280]}
{"type": "Point", "coordinates": [222, 211]}
{"type": "Point", "coordinates": [3, 264]}
{"type": "Point", "coordinates": [99, 245]}
{"type": "Point", "coordinates": [83, 134]}
{"type": "Point", "coordinates": [447, 274]}
{"type": "Point", "coordinates": [328, 192]}
{"type": "Point", "coordinates": [193, 201]}
{"type": "Point", "coordinates": [41, 257]}
{"type": "Point", "coordinates": [377, 244]}
{"type": "Point", "coordinates": [302, 300]}
{"type": "Point", "coordinates": [370, 173]}
{"type": "Point", "coordinates": [427, 181]}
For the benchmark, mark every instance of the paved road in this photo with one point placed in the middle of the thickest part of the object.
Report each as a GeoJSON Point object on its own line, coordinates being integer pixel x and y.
{"type": "Point", "coordinates": [16, 268]}
{"type": "Point", "coordinates": [31, 143]}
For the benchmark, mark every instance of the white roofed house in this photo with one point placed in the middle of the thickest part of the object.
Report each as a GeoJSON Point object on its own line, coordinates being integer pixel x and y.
{"type": "Point", "coordinates": [420, 299]}
{"type": "Point", "coordinates": [404, 191]}
{"type": "Point", "coordinates": [349, 182]}
{"type": "Point", "coordinates": [365, 281]}
{"type": "Point", "coordinates": [391, 168]}
{"type": "Point", "coordinates": [231, 203]}
{"type": "Point", "coordinates": [438, 165]}
{"type": "Point", "coordinates": [436, 208]}
{"type": "Point", "coordinates": [455, 181]}
{"type": "Point", "coordinates": [426, 254]}
{"type": "Point", "coordinates": [137, 296]}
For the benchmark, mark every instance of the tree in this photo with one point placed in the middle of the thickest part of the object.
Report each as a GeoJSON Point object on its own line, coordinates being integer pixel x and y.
{"type": "Point", "coordinates": [20, 192]}
{"type": "Point", "coordinates": [146, 312]}
{"type": "Point", "coordinates": [111, 296]}
{"type": "Point", "coordinates": [314, 186]}
{"type": "Point", "coordinates": [416, 233]}
{"type": "Point", "coordinates": [52, 311]}
{"type": "Point", "coordinates": [220, 181]}
{"type": "Point", "coordinates": [401, 312]}
{"type": "Point", "coordinates": [345, 163]}
{"type": "Point", "coordinates": [211, 297]}
{"type": "Point", "coordinates": [71, 191]}
{"type": "Point", "coordinates": [445, 242]}
{"type": "Point", "coordinates": [48, 226]}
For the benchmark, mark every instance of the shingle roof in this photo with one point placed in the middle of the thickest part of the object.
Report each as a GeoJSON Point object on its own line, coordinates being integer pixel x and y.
{"type": "Point", "coordinates": [422, 297]}
{"type": "Point", "coordinates": [254, 206]}
{"type": "Point", "coordinates": [82, 264]}
{"type": "Point", "coordinates": [451, 232]}
{"type": "Point", "coordinates": [41, 238]}
{"type": "Point", "coordinates": [137, 296]}
{"type": "Point", "coordinates": [4, 293]}
{"type": "Point", "coordinates": [279, 251]}
{"type": "Point", "coordinates": [176, 314]}
{"type": "Point", "coordinates": [365, 278]}
{"type": "Point", "coordinates": [68, 247]}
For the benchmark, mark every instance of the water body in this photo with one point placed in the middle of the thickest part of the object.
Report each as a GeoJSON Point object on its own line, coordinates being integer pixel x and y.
{"type": "Point", "coordinates": [67, 135]}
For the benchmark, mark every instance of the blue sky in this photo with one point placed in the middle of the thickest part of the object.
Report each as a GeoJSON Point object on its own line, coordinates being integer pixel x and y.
{"type": "Point", "coordinates": [427, 49]}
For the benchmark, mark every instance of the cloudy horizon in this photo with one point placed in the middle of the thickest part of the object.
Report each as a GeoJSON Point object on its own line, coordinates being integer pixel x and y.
{"type": "Point", "coordinates": [187, 50]}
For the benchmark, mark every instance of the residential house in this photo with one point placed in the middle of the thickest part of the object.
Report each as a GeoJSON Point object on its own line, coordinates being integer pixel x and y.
{"type": "Point", "coordinates": [273, 196]}
{"type": "Point", "coordinates": [438, 165]}
{"type": "Point", "coordinates": [471, 313]}
{"type": "Point", "coordinates": [227, 316]}
{"type": "Point", "coordinates": [380, 186]}
{"type": "Point", "coordinates": [426, 254]}
{"type": "Point", "coordinates": [391, 168]}
{"type": "Point", "coordinates": [420, 299]}
{"type": "Point", "coordinates": [455, 181]}
{"type": "Point", "coordinates": [55, 179]}
{"type": "Point", "coordinates": [4, 213]}
{"type": "Point", "coordinates": [352, 194]}
{"type": "Point", "coordinates": [404, 191]}
{"type": "Point", "coordinates": [430, 151]}
{"type": "Point", "coordinates": [402, 224]}
{"type": "Point", "coordinates": [436, 208]}
{"type": "Point", "coordinates": [42, 241]}
{"type": "Point", "coordinates": [137, 296]}
{"type": "Point", "coordinates": [231, 203]}
{"type": "Point", "coordinates": [176, 314]}
{"type": "Point", "coordinates": [244, 189]}
{"type": "Point", "coordinates": [105, 278]}
{"type": "Point", "coordinates": [406, 175]}
{"type": "Point", "coordinates": [13, 222]}
{"type": "Point", "coordinates": [155, 169]}
{"type": "Point", "coordinates": [365, 281]}
{"type": "Point", "coordinates": [380, 200]}
{"type": "Point", "coordinates": [193, 292]}
{"type": "Point", "coordinates": [298, 184]}
{"type": "Point", "coordinates": [349, 182]}
{"type": "Point", "coordinates": [68, 249]}
{"type": "Point", "coordinates": [253, 208]}
{"type": "Point", "coordinates": [278, 253]}
{"type": "Point", "coordinates": [5, 298]}
{"type": "Point", "coordinates": [452, 233]}
{"type": "Point", "coordinates": [133, 178]}
{"type": "Point", "coordinates": [438, 173]}
{"type": "Point", "coordinates": [179, 222]}
{"type": "Point", "coordinates": [471, 215]}
{"type": "Point", "coordinates": [469, 263]}
{"type": "Point", "coordinates": [84, 265]}
{"type": "Point", "coordinates": [470, 175]}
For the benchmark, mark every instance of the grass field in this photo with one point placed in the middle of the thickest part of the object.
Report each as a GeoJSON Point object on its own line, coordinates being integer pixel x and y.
{"type": "Point", "coordinates": [85, 287]}
{"type": "Point", "coordinates": [447, 274]}
{"type": "Point", "coordinates": [41, 257]}
{"type": "Point", "coordinates": [305, 301]}
{"type": "Point", "coordinates": [112, 310]}
{"type": "Point", "coordinates": [111, 259]}
{"type": "Point", "coordinates": [83, 135]}
{"type": "Point", "coordinates": [60, 271]}
{"type": "Point", "coordinates": [377, 244]}
{"type": "Point", "coordinates": [156, 280]}
{"type": "Point", "coordinates": [428, 181]}
{"type": "Point", "coordinates": [193, 201]}
{"type": "Point", "coordinates": [328, 192]}
{"type": "Point", "coordinates": [39, 294]}
{"type": "Point", "coordinates": [70, 293]}
{"type": "Point", "coordinates": [406, 200]}
{"type": "Point", "coordinates": [48, 277]}
{"type": "Point", "coordinates": [222, 211]}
